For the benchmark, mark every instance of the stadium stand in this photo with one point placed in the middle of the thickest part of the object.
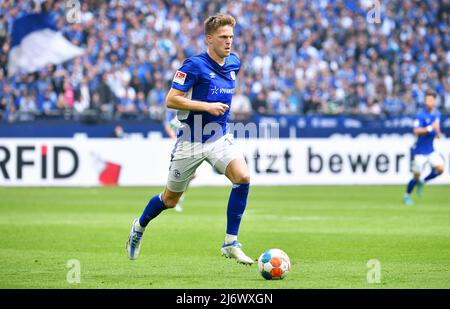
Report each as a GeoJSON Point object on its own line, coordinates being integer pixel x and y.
{"type": "Point", "coordinates": [317, 58]}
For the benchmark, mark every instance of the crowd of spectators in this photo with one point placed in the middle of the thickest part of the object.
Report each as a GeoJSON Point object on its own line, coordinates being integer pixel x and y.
{"type": "Point", "coordinates": [298, 57]}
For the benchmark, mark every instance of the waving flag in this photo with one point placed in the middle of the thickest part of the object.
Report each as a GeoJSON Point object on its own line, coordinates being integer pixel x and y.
{"type": "Point", "coordinates": [36, 42]}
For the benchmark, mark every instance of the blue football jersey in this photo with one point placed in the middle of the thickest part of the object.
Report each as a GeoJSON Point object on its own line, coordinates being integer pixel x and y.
{"type": "Point", "coordinates": [424, 144]}
{"type": "Point", "coordinates": [203, 79]}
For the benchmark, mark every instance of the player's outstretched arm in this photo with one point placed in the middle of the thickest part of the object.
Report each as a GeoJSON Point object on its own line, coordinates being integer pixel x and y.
{"type": "Point", "coordinates": [427, 129]}
{"type": "Point", "coordinates": [175, 99]}
{"type": "Point", "coordinates": [421, 131]}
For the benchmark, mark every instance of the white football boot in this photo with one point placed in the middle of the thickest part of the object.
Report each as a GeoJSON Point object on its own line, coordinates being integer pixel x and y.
{"type": "Point", "coordinates": [234, 251]}
{"type": "Point", "coordinates": [133, 244]}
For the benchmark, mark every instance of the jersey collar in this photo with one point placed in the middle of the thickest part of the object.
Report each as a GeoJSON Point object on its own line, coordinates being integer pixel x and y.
{"type": "Point", "coordinates": [214, 62]}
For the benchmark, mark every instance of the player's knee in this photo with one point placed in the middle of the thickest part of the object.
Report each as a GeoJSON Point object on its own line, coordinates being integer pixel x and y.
{"type": "Point", "coordinates": [170, 202]}
{"type": "Point", "coordinates": [439, 169]}
{"type": "Point", "coordinates": [416, 176]}
{"type": "Point", "coordinates": [243, 179]}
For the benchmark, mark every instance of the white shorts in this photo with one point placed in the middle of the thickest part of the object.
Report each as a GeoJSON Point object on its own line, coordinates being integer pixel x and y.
{"type": "Point", "coordinates": [420, 161]}
{"type": "Point", "coordinates": [187, 157]}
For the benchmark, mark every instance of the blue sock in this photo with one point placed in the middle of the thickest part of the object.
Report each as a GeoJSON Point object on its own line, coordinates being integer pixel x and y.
{"type": "Point", "coordinates": [411, 185]}
{"type": "Point", "coordinates": [236, 207]}
{"type": "Point", "coordinates": [432, 175]}
{"type": "Point", "coordinates": [153, 209]}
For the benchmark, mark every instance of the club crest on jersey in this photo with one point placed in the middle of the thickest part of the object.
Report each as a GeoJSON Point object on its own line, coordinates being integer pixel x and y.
{"type": "Point", "coordinates": [180, 77]}
{"type": "Point", "coordinates": [233, 75]}
{"type": "Point", "coordinates": [212, 75]}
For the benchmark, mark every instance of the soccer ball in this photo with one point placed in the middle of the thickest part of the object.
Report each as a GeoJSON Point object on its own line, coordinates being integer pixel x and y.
{"type": "Point", "coordinates": [274, 264]}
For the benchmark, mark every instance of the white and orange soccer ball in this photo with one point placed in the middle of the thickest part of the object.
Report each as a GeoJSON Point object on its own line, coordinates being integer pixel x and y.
{"type": "Point", "coordinates": [274, 264]}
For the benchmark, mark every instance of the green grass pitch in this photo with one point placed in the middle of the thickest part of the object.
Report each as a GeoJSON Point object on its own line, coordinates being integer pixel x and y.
{"type": "Point", "coordinates": [330, 233]}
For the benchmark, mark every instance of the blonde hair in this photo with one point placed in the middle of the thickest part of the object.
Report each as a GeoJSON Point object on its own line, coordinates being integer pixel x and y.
{"type": "Point", "coordinates": [212, 23]}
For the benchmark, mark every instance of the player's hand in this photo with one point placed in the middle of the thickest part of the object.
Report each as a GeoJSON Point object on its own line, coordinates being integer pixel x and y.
{"type": "Point", "coordinates": [217, 109]}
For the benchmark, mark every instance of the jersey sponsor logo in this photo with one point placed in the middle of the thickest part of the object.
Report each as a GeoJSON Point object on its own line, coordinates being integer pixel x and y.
{"type": "Point", "coordinates": [217, 90]}
{"type": "Point", "coordinates": [180, 77]}
{"type": "Point", "coordinates": [233, 75]}
{"type": "Point", "coordinates": [226, 91]}
{"type": "Point", "coordinates": [214, 90]}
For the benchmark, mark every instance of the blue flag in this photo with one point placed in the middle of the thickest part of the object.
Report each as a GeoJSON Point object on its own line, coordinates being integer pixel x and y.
{"type": "Point", "coordinates": [37, 43]}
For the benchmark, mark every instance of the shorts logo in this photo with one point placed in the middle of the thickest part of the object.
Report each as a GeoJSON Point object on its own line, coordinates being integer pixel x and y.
{"type": "Point", "coordinates": [180, 77]}
{"type": "Point", "coordinates": [176, 173]}
{"type": "Point", "coordinates": [233, 75]}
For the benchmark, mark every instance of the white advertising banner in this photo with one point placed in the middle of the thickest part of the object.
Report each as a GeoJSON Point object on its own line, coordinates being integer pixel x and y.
{"type": "Point", "coordinates": [145, 162]}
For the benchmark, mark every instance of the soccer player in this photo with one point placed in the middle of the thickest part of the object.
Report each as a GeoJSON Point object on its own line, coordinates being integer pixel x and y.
{"type": "Point", "coordinates": [201, 92]}
{"type": "Point", "coordinates": [426, 128]}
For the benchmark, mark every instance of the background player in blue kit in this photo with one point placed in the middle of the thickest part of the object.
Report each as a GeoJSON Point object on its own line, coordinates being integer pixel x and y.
{"type": "Point", "coordinates": [201, 91]}
{"type": "Point", "coordinates": [426, 128]}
